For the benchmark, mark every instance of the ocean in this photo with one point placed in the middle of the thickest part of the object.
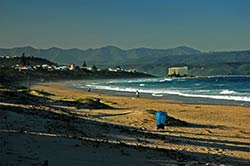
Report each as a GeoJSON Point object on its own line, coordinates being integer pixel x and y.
{"type": "Point", "coordinates": [226, 89]}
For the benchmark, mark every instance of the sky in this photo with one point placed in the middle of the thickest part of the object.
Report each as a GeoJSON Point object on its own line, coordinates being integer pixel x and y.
{"type": "Point", "coordinates": [208, 25]}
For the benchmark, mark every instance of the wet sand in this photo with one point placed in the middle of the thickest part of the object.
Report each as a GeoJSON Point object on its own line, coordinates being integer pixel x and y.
{"type": "Point", "coordinates": [81, 86]}
{"type": "Point", "coordinates": [123, 135]}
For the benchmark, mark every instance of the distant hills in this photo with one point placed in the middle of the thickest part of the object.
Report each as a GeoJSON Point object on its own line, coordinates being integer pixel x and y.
{"type": "Point", "coordinates": [103, 55]}
{"type": "Point", "coordinates": [153, 61]}
{"type": "Point", "coordinates": [30, 61]}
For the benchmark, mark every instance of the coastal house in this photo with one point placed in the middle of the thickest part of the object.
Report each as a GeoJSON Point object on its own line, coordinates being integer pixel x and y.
{"type": "Point", "coordinates": [131, 70]}
{"type": "Point", "coordinates": [63, 67]}
{"type": "Point", "coordinates": [22, 67]}
{"type": "Point", "coordinates": [112, 70]}
{"type": "Point", "coordinates": [178, 71]}
{"type": "Point", "coordinates": [86, 68]}
{"type": "Point", "coordinates": [115, 70]}
{"type": "Point", "coordinates": [71, 66]}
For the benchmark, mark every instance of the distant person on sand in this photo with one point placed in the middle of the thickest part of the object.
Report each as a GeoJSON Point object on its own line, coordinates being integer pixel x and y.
{"type": "Point", "coordinates": [137, 93]}
{"type": "Point", "coordinates": [89, 89]}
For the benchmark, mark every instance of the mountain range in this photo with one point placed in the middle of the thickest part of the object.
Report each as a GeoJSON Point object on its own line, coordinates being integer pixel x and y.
{"type": "Point", "coordinates": [153, 61]}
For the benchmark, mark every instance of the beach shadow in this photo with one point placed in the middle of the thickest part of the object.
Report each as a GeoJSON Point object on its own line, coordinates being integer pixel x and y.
{"type": "Point", "coordinates": [22, 97]}
{"type": "Point", "coordinates": [182, 157]}
{"type": "Point", "coordinates": [216, 159]}
{"type": "Point", "coordinates": [174, 122]}
{"type": "Point", "coordinates": [105, 130]}
{"type": "Point", "coordinates": [110, 115]}
{"type": "Point", "coordinates": [209, 143]}
{"type": "Point", "coordinates": [211, 134]}
{"type": "Point", "coordinates": [90, 104]}
{"type": "Point", "coordinates": [43, 93]}
{"type": "Point", "coordinates": [222, 141]}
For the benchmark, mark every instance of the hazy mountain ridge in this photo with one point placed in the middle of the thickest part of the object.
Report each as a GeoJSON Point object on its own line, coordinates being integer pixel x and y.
{"type": "Point", "coordinates": [208, 58]}
{"type": "Point", "coordinates": [106, 55]}
{"type": "Point", "coordinates": [142, 58]}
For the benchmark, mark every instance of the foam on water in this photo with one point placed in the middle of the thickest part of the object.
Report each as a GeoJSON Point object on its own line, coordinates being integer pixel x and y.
{"type": "Point", "coordinates": [157, 94]}
{"type": "Point", "coordinates": [166, 79]}
{"type": "Point", "coordinates": [227, 92]}
{"type": "Point", "coordinates": [225, 88]}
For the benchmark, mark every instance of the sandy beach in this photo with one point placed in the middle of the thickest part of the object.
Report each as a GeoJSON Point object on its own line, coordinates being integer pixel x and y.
{"type": "Point", "coordinates": [122, 132]}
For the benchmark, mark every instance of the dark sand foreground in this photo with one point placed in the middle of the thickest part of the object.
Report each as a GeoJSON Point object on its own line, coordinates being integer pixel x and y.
{"type": "Point", "coordinates": [61, 133]}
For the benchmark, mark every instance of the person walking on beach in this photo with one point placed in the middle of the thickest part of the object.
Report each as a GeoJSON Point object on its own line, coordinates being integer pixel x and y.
{"type": "Point", "coordinates": [137, 93]}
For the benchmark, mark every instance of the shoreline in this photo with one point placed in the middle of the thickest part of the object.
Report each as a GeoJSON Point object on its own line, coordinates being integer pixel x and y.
{"type": "Point", "coordinates": [168, 97]}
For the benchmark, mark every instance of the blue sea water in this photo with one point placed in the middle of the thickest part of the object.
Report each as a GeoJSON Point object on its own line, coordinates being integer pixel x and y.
{"type": "Point", "coordinates": [218, 88]}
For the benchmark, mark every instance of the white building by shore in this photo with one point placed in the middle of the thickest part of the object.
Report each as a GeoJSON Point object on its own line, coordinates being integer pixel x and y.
{"type": "Point", "coordinates": [178, 71]}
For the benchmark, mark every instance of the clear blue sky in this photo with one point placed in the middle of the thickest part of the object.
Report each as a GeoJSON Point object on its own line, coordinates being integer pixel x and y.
{"type": "Point", "coordinates": [204, 24]}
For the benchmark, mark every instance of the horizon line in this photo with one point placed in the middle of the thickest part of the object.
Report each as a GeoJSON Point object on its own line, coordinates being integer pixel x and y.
{"type": "Point", "coordinates": [35, 47]}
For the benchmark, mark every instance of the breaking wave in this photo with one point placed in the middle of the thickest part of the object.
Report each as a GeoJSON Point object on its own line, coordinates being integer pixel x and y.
{"type": "Point", "coordinates": [225, 92]}
{"type": "Point", "coordinates": [224, 88]}
{"type": "Point", "coordinates": [157, 92]}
